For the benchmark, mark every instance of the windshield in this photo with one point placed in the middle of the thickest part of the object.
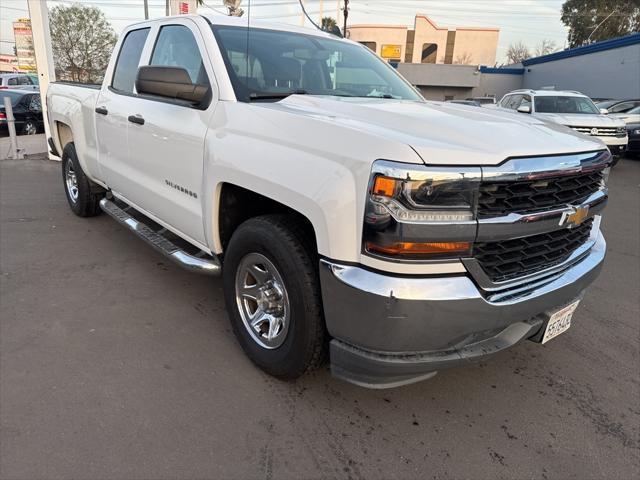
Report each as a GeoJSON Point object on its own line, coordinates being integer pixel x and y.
{"type": "Point", "coordinates": [277, 63]}
{"type": "Point", "coordinates": [606, 103]}
{"type": "Point", "coordinates": [635, 110]}
{"type": "Point", "coordinates": [560, 104]}
{"type": "Point", "coordinates": [14, 96]}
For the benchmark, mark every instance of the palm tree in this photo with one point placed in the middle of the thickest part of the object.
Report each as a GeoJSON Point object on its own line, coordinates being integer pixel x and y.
{"type": "Point", "coordinates": [328, 24]}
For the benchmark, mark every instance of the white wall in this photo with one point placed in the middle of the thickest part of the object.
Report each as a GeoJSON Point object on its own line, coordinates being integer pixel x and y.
{"type": "Point", "coordinates": [608, 74]}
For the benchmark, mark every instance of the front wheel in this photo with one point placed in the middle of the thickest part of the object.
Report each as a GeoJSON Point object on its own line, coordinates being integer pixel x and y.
{"type": "Point", "coordinates": [272, 295]}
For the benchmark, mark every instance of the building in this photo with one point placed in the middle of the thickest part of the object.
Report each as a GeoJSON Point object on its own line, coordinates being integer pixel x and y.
{"type": "Point", "coordinates": [427, 42]}
{"type": "Point", "coordinates": [8, 63]}
{"type": "Point", "coordinates": [24, 45]}
{"type": "Point", "coordinates": [608, 69]}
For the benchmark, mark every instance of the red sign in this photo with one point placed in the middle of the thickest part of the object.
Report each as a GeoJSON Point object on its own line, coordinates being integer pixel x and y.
{"type": "Point", "coordinates": [184, 8]}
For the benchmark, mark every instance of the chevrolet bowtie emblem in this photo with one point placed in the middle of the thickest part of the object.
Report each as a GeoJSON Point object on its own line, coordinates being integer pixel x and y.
{"type": "Point", "coordinates": [574, 218]}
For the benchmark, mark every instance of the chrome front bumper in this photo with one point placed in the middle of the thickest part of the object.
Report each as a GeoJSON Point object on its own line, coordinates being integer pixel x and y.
{"type": "Point", "coordinates": [389, 331]}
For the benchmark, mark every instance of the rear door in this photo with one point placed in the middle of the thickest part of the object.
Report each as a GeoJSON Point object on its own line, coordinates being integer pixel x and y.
{"type": "Point", "coordinates": [111, 113]}
{"type": "Point", "coordinates": [166, 142]}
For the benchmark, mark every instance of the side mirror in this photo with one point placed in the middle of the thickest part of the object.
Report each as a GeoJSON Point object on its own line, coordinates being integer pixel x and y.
{"type": "Point", "coordinates": [604, 111]}
{"type": "Point", "coordinates": [524, 109]}
{"type": "Point", "coordinates": [169, 82]}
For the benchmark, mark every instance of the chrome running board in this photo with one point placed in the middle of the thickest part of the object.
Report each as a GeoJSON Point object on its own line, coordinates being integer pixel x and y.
{"type": "Point", "coordinates": [207, 266]}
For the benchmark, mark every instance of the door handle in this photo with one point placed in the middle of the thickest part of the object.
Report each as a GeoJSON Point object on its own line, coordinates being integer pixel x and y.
{"type": "Point", "coordinates": [136, 119]}
{"type": "Point", "coordinates": [102, 110]}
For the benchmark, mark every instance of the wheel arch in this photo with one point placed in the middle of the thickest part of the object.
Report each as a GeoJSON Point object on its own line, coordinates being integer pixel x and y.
{"type": "Point", "coordinates": [236, 204]}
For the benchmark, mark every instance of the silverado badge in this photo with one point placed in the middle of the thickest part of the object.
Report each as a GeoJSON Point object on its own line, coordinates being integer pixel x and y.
{"type": "Point", "coordinates": [574, 218]}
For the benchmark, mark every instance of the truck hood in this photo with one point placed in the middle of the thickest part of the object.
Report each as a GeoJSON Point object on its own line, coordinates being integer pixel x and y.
{"type": "Point", "coordinates": [581, 120]}
{"type": "Point", "coordinates": [443, 133]}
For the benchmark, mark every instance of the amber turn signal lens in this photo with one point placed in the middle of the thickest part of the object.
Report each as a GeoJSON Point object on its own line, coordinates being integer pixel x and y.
{"type": "Point", "coordinates": [409, 248]}
{"type": "Point", "coordinates": [384, 186]}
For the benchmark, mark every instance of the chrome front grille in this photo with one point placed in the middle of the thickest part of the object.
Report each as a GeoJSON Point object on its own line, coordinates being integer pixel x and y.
{"type": "Point", "coordinates": [507, 259]}
{"type": "Point", "coordinates": [600, 131]}
{"type": "Point", "coordinates": [536, 195]}
{"type": "Point", "coordinates": [536, 216]}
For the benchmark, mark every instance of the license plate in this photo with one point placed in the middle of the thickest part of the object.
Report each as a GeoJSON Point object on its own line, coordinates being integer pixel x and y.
{"type": "Point", "coordinates": [559, 322]}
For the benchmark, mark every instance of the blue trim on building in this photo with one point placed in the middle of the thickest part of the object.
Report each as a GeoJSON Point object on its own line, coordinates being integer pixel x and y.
{"type": "Point", "coordinates": [503, 71]}
{"type": "Point", "coordinates": [632, 39]}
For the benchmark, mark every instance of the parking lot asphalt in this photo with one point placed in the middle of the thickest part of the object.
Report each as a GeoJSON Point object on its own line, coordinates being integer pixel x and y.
{"type": "Point", "coordinates": [116, 364]}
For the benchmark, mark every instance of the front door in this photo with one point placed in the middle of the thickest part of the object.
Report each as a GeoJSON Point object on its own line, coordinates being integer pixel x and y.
{"type": "Point", "coordinates": [166, 137]}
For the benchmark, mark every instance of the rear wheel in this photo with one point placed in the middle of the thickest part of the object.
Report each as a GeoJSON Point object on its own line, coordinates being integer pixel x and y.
{"type": "Point", "coordinates": [30, 128]}
{"type": "Point", "coordinates": [273, 297]}
{"type": "Point", "coordinates": [81, 194]}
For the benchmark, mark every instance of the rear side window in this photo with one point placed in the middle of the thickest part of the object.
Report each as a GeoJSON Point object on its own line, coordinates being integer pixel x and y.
{"type": "Point", "coordinates": [13, 81]}
{"type": "Point", "coordinates": [126, 69]}
{"type": "Point", "coordinates": [177, 47]}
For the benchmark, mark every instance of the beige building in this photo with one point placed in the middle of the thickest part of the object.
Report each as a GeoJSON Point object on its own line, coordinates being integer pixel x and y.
{"type": "Point", "coordinates": [427, 42]}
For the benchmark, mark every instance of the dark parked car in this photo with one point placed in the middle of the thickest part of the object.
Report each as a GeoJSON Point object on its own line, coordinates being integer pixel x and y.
{"type": "Point", "coordinates": [633, 147]}
{"type": "Point", "coordinates": [618, 106]}
{"type": "Point", "coordinates": [27, 110]}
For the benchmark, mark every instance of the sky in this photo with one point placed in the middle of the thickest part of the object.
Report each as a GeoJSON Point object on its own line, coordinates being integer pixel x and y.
{"type": "Point", "coordinates": [529, 21]}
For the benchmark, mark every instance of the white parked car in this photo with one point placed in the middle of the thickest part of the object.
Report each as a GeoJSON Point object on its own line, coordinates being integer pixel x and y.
{"type": "Point", "coordinates": [18, 81]}
{"type": "Point", "coordinates": [572, 109]}
{"type": "Point", "coordinates": [345, 213]}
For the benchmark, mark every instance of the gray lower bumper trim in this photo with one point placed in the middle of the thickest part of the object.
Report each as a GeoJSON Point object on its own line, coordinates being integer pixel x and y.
{"type": "Point", "coordinates": [379, 370]}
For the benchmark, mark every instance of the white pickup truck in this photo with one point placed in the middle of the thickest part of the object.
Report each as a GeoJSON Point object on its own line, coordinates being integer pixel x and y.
{"type": "Point", "coordinates": [346, 214]}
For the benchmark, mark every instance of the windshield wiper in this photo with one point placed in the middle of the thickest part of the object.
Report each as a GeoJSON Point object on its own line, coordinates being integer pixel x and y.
{"type": "Point", "coordinates": [275, 95]}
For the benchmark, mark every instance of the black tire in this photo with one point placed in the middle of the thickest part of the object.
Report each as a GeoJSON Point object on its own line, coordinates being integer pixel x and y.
{"type": "Point", "coordinates": [30, 127]}
{"type": "Point", "coordinates": [86, 202]}
{"type": "Point", "coordinates": [281, 239]}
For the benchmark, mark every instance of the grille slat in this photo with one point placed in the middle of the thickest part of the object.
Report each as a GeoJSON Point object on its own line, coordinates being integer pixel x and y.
{"type": "Point", "coordinates": [497, 199]}
{"type": "Point", "coordinates": [504, 260]}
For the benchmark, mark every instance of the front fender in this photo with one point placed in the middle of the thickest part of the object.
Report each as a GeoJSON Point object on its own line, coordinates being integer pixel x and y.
{"type": "Point", "coordinates": [307, 164]}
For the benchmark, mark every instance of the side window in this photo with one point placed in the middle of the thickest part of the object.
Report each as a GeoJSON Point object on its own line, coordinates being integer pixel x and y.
{"type": "Point", "coordinates": [526, 101]}
{"type": "Point", "coordinates": [24, 80]}
{"type": "Point", "coordinates": [177, 47]}
{"type": "Point", "coordinates": [126, 69]}
{"type": "Point", "coordinates": [35, 104]}
{"type": "Point", "coordinates": [505, 101]}
{"type": "Point", "coordinates": [13, 81]}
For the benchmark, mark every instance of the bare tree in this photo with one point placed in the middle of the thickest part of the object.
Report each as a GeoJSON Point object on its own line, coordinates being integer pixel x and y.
{"type": "Point", "coordinates": [82, 41]}
{"type": "Point", "coordinates": [517, 52]}
{"type": "Point", "coordinates": [465, 58]}
{"type": "Point", "coordinates": [545, 47]}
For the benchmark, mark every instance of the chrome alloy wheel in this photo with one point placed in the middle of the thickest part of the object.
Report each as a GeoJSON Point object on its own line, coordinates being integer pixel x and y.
{"type": "Point", "coordinates": [71, 181]}
{"type": "Point", "coordinates": [262, 300]}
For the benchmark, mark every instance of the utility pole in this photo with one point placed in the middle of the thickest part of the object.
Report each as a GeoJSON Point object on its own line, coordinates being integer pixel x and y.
{"type": "Point", "coordinates": [321, 13]}
{"type": "Point", "coordinates": [166, 8]}
{"type": "Point", "coordinates": [146, 9]}
{"type": "Point", "coordinates": [346, 14]}
{"type": "Point", "coordinates": [44, 54]}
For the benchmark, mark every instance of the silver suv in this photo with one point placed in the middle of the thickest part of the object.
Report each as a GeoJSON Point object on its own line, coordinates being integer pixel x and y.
{"type": "Point", "coordinates": [572, 109]}
{"type": "Point", "coordinates": [19, 81]}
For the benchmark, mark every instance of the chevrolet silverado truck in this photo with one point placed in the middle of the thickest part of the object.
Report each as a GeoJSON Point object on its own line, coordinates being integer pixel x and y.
{"type": "Point", "coordinates": [347, 215]}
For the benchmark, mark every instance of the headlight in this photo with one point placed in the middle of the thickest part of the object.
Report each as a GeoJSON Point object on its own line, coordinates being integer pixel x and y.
{"type": "Point", "coordinates": [621, 131]}
{"type": "Point", "coordinates": [418, 212]}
